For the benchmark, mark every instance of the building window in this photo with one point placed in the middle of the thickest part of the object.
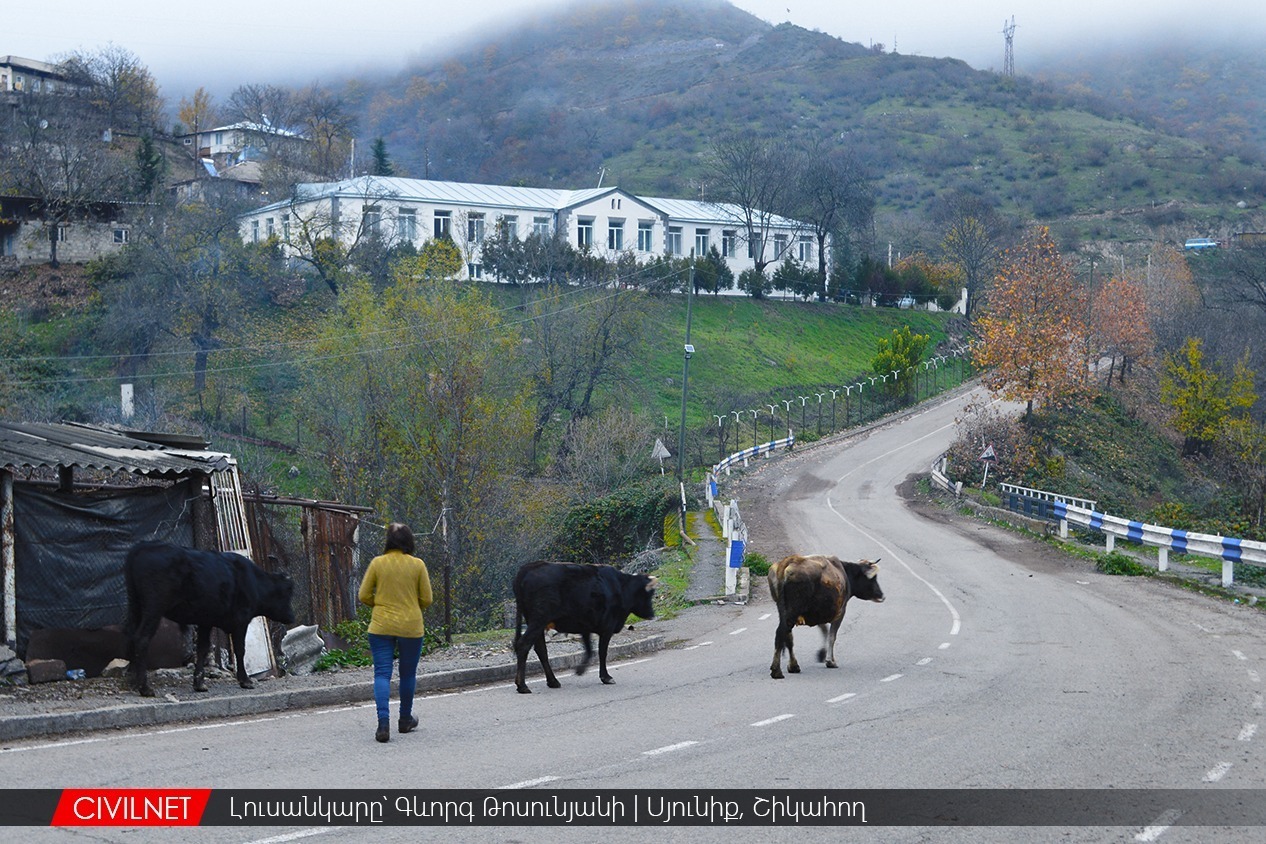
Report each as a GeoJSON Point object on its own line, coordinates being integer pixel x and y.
{"type": "Point", "coordinates": [672, 243]}
{"type": "Point", "coordinates": [753, 246]}
{"type": "Point", "coordinates": [219, 139]}
{"type": "Point", "coordinates": [729, 238]}
{"type": "Point", "coordinates": [701, 241]}
{"type": "Point", "coordinates": [804, 248]}
{"type": "Point", "coordinates": [475, 270]}
{"type": "Point", "coordinates": [584, 232]}
{"type": "Point", "coordinates": [510, 226]}
{"type": "Point", "coordinates": [285, 228]}
{"type": "Point", "coordinates": [408, 220]}
{"type": "Point", "coordinates": [541, 226]}
{"type": "Point", "coordinates": [615, 235]}
{"type": "Point", "coordinates": [475, 229]}
{"type": "Point", "coordinates": [254, 231]}
{"type": "Point", "coordinates": [373, 220]}
{"type": "Point", "coordinates": [268, 227]}
{"type": "Point", "coordinates": [443, 224]}
{"type": "Point", "coordinates": [780, 246]}
{"type": "Point", "coordinates": [120, 235]}
{"type": "Point", "coordinates": [645, 236]}
{"type": "Point", "coordinates": [615, 204]}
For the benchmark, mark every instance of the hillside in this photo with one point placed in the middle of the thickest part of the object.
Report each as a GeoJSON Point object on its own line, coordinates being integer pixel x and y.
{"type": "Point", "coordinates": [637, 90]}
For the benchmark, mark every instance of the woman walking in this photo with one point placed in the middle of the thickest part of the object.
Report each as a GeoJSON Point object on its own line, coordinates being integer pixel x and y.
{"type": "Point", "coordinates": [398, 588]}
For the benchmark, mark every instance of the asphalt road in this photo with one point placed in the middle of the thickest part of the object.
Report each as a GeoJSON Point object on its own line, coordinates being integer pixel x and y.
{"type": "Point", "coordinates": [994, 663]}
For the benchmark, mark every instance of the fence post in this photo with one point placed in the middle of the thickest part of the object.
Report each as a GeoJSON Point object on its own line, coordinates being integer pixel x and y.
{"type": "Point", "coordinates": [1111, 543]}
{"type": "Point", "coordinates": [1162, 559]}
{"type": "Point", "coordinates": [1228, 573]}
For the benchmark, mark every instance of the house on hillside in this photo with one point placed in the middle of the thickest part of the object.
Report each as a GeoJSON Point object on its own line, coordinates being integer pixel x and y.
{"type": "Point", "coordinates": [99, 229]}
{"type": "Point", "coordinates": [239, 142]}
{"type": "Point", "coordinates": [607, 221]}
{"type": "Point", "coordinates": [19, 75]}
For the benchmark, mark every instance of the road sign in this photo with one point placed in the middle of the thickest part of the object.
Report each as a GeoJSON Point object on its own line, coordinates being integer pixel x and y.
{"type": "Point", "coordinates": [988, 453]}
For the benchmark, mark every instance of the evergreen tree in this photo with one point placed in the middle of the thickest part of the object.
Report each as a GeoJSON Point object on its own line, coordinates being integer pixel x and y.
{"type": "Point", "coordinates": [382, 161]}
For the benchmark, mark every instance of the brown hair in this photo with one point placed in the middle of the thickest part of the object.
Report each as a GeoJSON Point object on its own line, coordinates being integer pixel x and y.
{"type": "Point", "coordinates": [399, 538]}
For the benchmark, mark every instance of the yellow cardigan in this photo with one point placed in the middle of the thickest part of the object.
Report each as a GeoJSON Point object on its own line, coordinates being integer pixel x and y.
{"type": "Point", "coordinates": [398, 587]}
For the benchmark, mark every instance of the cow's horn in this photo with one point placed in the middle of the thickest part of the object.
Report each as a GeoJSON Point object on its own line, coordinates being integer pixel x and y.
{"type": "Point", "coordinates": [652, 583]}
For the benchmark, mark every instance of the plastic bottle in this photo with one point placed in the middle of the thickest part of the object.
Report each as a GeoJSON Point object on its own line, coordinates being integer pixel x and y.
{"type": "Point", "coordinates": [75, 674]}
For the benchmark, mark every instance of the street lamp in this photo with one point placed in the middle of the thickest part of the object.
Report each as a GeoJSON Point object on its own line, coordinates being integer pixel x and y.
{"type": "Point", "coordinates": [720, 442]}
{"type": "Point", "coordinates": [787, 404]}
{"type": "Point", "coordinates": [834, 393]}
{"type": "Point", "coordinates": [773, 408]}
{"type": "Point", "coordinates": [803, 399]}
{"type": "Point", "coordinates": [819, 395]}
{"type": "Point", "coordinates": [755, 414]}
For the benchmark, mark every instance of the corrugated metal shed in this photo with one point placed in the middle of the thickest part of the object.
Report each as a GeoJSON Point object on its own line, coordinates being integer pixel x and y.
{"type": "Point", "coordinates": [36, 445]}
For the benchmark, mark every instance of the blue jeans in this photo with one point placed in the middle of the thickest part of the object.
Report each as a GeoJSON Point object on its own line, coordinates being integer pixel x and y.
{"type": "Point", "coordinates": [383, 650]}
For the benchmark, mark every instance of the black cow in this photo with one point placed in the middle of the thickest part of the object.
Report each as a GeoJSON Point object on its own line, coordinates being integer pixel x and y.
{"type": "Point", "coordinates": [574, 598]}
{"type": "Point", "coordinates": [203, 588]}
{"type": "Point", "coordinates": [815, 590]}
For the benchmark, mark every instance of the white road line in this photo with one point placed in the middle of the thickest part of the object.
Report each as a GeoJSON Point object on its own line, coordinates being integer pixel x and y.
{"type": "Point", "coordinates": [890, 678]}
{"type": "Point", "coordinates": [1254, 676]}
{"type": "Point", "coordinates": [773, 720]}
{"type": "Point", "coordinates": [924, 661]}
{"type": "Point", "coordinates": [943, 645]}
{"type": "Point", "coordinates": [1247, 733]}
{"type": "Point", "coordinates": [669, 748]}
{"type": "Point", "coordinates": [1217, 772]}
{"type": "Point", "coordinates": [844, 696]}
{"type": "Point", "coordinates": [1239, 655]}
{"type": "Point", "coordinates": [1159, 826]}
{"type": "Point", "coordinates": [736, 632]}
{"type": "Point", "coordinates": [700, 645]}
{"type": "Point", "coordinates": [530, 783]}
{"type": "Point", "coordinates": [296, 835]}
{"type": "Point", "coordinates": [1257, 701]}
{"type": "Point", "coordinates": [765, 616]}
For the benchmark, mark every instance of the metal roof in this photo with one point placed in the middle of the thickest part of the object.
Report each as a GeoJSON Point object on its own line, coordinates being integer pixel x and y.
{"type": "Point", "coordinates": [35, 445]}
{"type": "Point", "coordinates": [694, 211]}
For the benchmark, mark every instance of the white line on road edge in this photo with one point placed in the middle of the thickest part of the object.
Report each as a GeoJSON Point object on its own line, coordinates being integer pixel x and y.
{"type": "Point", "coordinates": [844, 696]}
{"type": "Point", "coordinates": [1254, 676]}
{"type": "Point", "coordinates": [1217, 772]}
{"type": "Point", "coordinates": [1247, 733]}
{"type": "Point", "coordinates": [295, 836]}
{"type": "Point", "coordinates": [773, 720]}
{"type": "Point", "coordinates": [1257, 701]}
{"type": "Point", "coordinates": [1239, 655]}
{"type": "Point", "coordinates": [924, 661]}
{"type": "Point", "coordinates": [700, 645]}
{"type": "Point", "coordinates": [530, 783]}
{"type": "Point", "coordinates": [890, 678]}
{"type": "Point", "coordinates": [765, 616]}
{"type": "Point", "coordinates": [1159, 827]}
{"type": "Point", "coordinates": [668, 748]}
{"type": "Point", "coordinates": [736, 632]}
{"type": "Point", "coordinates": [943, 646]}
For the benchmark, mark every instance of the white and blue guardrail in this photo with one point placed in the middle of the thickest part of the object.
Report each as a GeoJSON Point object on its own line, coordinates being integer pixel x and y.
{"type": "Point", "coordinates": [1079, 511]}
{"type": "Point", "coordinates": [733, 530]}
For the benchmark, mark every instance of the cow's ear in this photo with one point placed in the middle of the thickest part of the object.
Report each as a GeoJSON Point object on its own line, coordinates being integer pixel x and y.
{"type": "Point", "coordinates": [651, 583]}
{"type": "Point", "coordinates": [872, 570]}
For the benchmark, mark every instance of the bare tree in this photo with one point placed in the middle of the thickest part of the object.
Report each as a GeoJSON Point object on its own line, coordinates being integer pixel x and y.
{"type": "Point", "coordinates": [755, 175]}
{"type": "Point", "coordinates": [119, 85]}
{"type": "Point", "coordinates": [973, 240]}
{"type": "Point", "coordinates": [835, 198]}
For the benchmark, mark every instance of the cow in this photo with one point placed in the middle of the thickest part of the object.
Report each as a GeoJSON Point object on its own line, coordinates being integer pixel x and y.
{"type": "Point", "coordinates": [574, 598]}
{"type": "Point", "coordinates": [815, 590]}
{"type": "Point", "coordinates": [203, 588]}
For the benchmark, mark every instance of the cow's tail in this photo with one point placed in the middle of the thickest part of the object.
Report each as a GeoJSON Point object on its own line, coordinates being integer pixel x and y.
{"type": "Point", "coordinates": [133, 621]}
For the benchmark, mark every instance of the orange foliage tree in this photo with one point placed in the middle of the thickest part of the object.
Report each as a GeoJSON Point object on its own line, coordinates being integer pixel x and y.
{"type": "Point", "coordinates": [1120, 326]}
{"type": "Point", "coordinates": [1033, 328]}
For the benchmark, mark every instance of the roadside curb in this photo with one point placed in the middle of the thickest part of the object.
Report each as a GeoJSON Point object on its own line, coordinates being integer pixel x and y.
{"type": "Point", "coordinates": [158, 713]}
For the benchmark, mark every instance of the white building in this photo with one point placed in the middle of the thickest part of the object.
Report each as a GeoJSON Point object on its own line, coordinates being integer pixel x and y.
{"type": "Point", "coordinates": [608, 221]}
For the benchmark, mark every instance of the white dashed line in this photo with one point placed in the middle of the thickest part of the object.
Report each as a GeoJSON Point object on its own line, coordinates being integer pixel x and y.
{"type": "Point", "coordinates": [1217, 772]}
{"type": "Point", "coordinates": [736, 632]}
{"type": "Point", "coordinates": [700, 645]}
{"type": "Point", "coordinates": [765, 616]}
{"type": "Point", "coordinates": [844, 696]}
{"type": "Point", "coordinates": [773, 720]}
{"type": "Point", "coordinates": [1239, 655]}
{"type": "Point", "coordinates": [669, 748]}
{"type": "Point", "coordinates": [1257, 701]}
{"type": "Point", "coordinates": [296, 835]}
{"type": "Point", "coordinates": [943, 646]}
{"type": "Point", "coordinates": [890, 678]}
{"type": "Point", "coordinates": [924, 661]}
{"type": "Point", "coordinates": [531, 783]}
{"type": "Point", "coordinates": [1254, 676]}
{"type": "Point", "coordinates": [1247, 733]}
{"type": "Point", "coordinates": [1159, 827]}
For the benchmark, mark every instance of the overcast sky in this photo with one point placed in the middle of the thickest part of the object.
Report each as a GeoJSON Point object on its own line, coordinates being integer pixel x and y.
{"type": "Point", "coordinates": [297, 41]}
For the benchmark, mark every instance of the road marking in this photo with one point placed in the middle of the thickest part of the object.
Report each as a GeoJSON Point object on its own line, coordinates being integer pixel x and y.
{"type": "Point", "coordinates": [1218, 772]}
{"type": "Point", "coordinates": [773, 720]}
{"type": "Point", "coordinates": [1239, 655]}
{"type": "Point", "coordinates": [844, 696]}
{"type": "Point", "coordinates": [1257, 701]}
{"type": "Point", "coordinates": [669, 748]}
{"type": "Point", "coordinates": [296, 835]}
{"type": "Point", "coordinates": [765, 616]}
{"type": "Point", "coordinates": [700, 645]}
{"type": "Point", "coordinates": [736, 632]}
{"type": "Point", "coordinates": [890, 678]}
{"type": "Point", "coordinates": [1159, 826]}
{"type": "Point", "coordinates": [1247, 733]}
{"type": "Point", "coordinates": [944, 645]}
{"type": "Point", "coordinates": [530, 783]}
{"type": "Point", "coordinates": [924, 661]}
{"type": "Point", "coordinates": [1254, 676]}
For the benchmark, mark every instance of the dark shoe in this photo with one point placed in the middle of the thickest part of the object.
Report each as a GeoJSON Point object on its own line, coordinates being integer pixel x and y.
{"type": "Point", "coordinates": [384, 731]}
{"type": "Point", "coordinates": [408, 725]}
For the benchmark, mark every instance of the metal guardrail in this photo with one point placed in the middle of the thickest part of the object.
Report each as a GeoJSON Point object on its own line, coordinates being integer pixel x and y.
{"type": "Point", "coordinates": [755, 451]}
{"type": "Point", "coordinates": [1061, 509]}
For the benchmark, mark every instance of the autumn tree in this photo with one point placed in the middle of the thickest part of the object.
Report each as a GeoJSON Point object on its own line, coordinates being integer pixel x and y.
{"type": "Point", "coordinates": [972, 239]}
{"type": "Point", "coordinates": [1120, 327]}
{"type": "Point", "coordinates": [897, 358]}
{"type": "Point", "coordinates": [1241, 447]}
{"type": "Point", "coordinates": [1172, 296]}
{"type": "Point", "coordinates": [1033, 328]}
{"type": "Point", "coordinates": [1202, 400]}
{"type": "Point", "coordinates": [119, 85]}
{"type": "Point", "coordinates": [195, 114]}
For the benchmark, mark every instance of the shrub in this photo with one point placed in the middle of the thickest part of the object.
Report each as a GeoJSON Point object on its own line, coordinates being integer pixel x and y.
{"type": "Point", "coordinates": [1120, 564]}
{"type": "Point", "coordinates": [756, 564]}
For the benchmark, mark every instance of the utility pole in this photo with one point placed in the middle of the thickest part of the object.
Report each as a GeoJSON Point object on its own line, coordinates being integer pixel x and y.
{"type": "Point", "coordinates": [685, 382]}
{"type": "Point", "coordinates": [1008, 56]}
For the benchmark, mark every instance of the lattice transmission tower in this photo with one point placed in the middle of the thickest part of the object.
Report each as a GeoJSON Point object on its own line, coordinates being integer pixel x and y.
{"type": "Point", "coordinates": [1008, 57]}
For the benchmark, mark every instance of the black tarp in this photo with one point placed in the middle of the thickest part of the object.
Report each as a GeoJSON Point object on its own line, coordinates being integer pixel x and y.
{"type": "Point", "coordinates": [69, 550]}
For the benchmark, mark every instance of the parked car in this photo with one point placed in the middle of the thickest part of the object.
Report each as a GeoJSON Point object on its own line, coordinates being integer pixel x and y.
{"type": "Point", "coordinates": [1198, 243]}
{"type": "Point", "coordinates": [906, 302]}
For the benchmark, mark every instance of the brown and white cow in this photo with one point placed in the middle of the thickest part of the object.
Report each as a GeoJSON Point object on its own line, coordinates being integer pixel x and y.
{"type": "Point", "coordinates": [815, 590]}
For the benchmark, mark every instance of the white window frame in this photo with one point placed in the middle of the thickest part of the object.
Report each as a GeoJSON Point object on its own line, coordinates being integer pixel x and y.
{"type": "Point", "coordinates": [729, 241]}
{"type": "Point", "coordinates": [701, 241]}
{"type": "Point", "coordinates": [371, 219]}
{"type": "Point", "coordinates": [407, 224]}
{"type": "Point", "coordinates": [542, 227]}
{"type": "Point", "coordinates": [442, 224]}
{"type": "Point", "coordinates": [646, 236]}
{"type": "Point", "coordinates": [584, 232]}
{"type": "Point", "coordinates": [804, 248]}
{"type": "Point", "coordinates": [510, 225]}
{"type": "Point", "coordinates": [615, 235]}
{"type": "Point", "coordinates": [672, 240]}
{"type": "Point", "coordinates": [120, 235]}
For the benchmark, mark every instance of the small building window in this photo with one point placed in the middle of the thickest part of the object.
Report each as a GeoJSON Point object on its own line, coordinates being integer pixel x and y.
{"type": "Point", "coordinates": [408, 220]}
{"type": "Point", "coordinates": [701, 241]}
{"type": "Point", "coordinates": [645, 236]}
{"type": "Point", "coordinates": [372, 221]}
{"type": "Point", "coordinates": [615, 235]}
{"type": "Point", "coordinates": [254, 231]}
{"type": "Point", "coordinates": [780, 246]}
{"type": "Point", "coordinates": [541, 226]}
{"type": "Point", "coordinates": [672, 243]}
{"type": "Point", "coordinates": [804, 248]}
{"type": "Point", "coordinates": [510, 225]}
{"type": "Point", "coordinates": [269, 227]}
{"type": "Point", "coordinates": [475, 229]}
{"type": "Point", "coordinates": [729, 238]}
{"type": "Point", "coordinates": [475, 270]}
{"type": "Point", "coordinates": [443, 224]}
{"type": "Point", "coordinates": [120, 235]}
{"type": "Point", "coordinates": [584, 233]}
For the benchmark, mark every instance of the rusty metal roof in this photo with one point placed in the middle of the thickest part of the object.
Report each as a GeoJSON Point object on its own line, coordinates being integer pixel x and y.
{"type": "Point", "coordinates": [35, 445]}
